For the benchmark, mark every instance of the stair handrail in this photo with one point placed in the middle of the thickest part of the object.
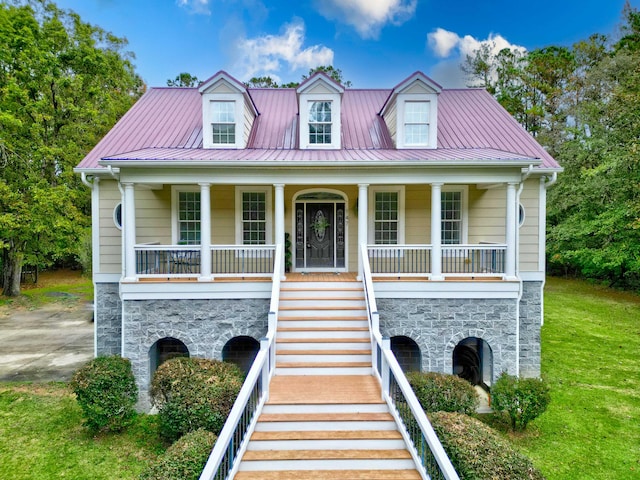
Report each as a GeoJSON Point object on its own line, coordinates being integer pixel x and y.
{"type": "Point", "coordinates": [234, 436]}
{"type": "Point", "coordinates": [399, 395]}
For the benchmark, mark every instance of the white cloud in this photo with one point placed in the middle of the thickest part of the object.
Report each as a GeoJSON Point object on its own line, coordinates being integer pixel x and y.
{"type": "Point", "coordinates": [195, 6]}
{"type": "Point", "coordinates": [453, 49]}
{"type": "Point", "coordinates": [367, 16]}
{"type": "Point", "coordinates": [267, 55]}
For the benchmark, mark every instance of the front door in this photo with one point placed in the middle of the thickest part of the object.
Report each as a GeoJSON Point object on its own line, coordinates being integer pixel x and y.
{"type": "Point", "coordinates": [320, 235]}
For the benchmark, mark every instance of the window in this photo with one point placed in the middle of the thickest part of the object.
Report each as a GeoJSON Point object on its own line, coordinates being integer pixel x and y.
{"type": "Point", "coordinates": [117, 216]}
{"type": "Point", "coordinates": [253, 214]}
{"type": "Point", "coordinates": [416, 123]}
{"type": "Point", "coordinates": [386, 213]}
{"type": "Point", "coordinates": [188, 218]}
{"type": "Point", "coordinates": [320, 123]}
{"type": "Point", "coordinates": [223, 124]}
{"type": "Point", "coordinates": [451, 215]}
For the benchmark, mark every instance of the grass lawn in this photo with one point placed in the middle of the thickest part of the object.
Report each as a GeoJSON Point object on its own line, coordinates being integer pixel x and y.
{"type": "Point", "coordinates": [42, 437]}
{"type": "Point", "coordinates": [591, 358]}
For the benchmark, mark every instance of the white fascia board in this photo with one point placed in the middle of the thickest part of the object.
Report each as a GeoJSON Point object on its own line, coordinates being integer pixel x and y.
{"type": "Point", "coordinates": [194, 290]}
{"type": "Point", "coordinates": [532, 276]}
{"type": "Point", "coordinates": [99, 171]}
{"type": "Point", "coordinates": [447, 289]}
{"type": "Point", "coordinates": [107, 277]}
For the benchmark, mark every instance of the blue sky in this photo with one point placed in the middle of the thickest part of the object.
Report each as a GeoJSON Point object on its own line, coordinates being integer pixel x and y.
{"type": "Point", "coordinates": [376, 43]}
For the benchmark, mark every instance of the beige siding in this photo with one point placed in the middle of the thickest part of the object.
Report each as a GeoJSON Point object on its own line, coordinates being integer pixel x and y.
{"type": "Point", "coordinates": [418, 88]}
{"type": "Point", "coordinates": [487, 215]}
{"type": "Point", "coordinates": [153, 215]}
{"type": "Point", "coordinates": [390, 118]}
{"type": "Point", "coordinates": [529, 231]}
{"type": "Point", "coordinates": [320, 88]}
{"type": "Point", "coordinates": [417, 214]}
{"type": "Point", "coordinates": [223, 215]}
{"type": "Point", "coordinates": [248, 122]}
{"type": "Point", "coordinates": [221, 87]}
{"type": "Point", "coordinates": [110, 236]}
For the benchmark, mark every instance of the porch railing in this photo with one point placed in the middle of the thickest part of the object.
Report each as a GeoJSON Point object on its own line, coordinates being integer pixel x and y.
{"type": "Point", "coordinates": [175, 261]}
{"type": "Point", "coordinates": [426, 448]}
{"type": "Point", "coordinates": [456, 260]}
{"type": "Point", "coordinates": [233, 439]}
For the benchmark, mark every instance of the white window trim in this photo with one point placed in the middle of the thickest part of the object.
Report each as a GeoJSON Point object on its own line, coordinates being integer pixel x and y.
{"type": "Point", "coordinates": [207, 116]}
{"type": "Point", "coordinates": [465, 211]}
{"type": "Point", "coordinates": [115, 216]}
{"type": "Point", "coordinates": [306, 100]}
{"type": "Point", "coordinates": [269, 211]}
{"type": "Point", "coordinates": [399, 189]}
{"type": "Point", "coordinates": [432, 99]}
{"type": "Point", "coordinates": [175, 206]}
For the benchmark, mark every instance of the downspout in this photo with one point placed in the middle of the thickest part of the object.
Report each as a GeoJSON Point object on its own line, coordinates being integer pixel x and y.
{"type": "Point", "coordinates": [520, 283]}
{"type": "Point", "coordinates": [91, 184]}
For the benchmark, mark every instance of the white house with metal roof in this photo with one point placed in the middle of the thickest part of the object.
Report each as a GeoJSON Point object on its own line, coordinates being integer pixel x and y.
{"type": "Point", "coordinates": [204, 199]}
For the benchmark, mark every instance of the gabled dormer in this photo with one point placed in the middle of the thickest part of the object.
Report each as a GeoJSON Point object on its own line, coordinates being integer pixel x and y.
{"type": "Point", "coordinates": [228, 112]}
{"type": "Point", "coordinates": [319, 105]}
{"type": "Point", "coordinates": [411, 112]}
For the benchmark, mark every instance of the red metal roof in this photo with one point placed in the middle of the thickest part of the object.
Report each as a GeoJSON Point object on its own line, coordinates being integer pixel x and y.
{"type": "Point", "coordinates": [166, 124]}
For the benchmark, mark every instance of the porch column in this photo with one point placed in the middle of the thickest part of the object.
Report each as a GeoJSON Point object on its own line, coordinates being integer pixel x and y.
{"type": "Point", "coordinates": [279, 220]}
{"type": "Point", "coordinates": [436, 231]}
{"type": "Point", "coordinates": [363, 228]}
{"type": "Point", "coordinates": [511, 225]}
{"type": "Point", "coordinates": [129, 227]}
{"type": "Point", "coordinates": [205, 232]}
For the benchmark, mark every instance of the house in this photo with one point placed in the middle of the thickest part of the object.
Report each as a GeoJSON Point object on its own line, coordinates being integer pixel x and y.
{"type": "Point", "coordinates": [193, 189]}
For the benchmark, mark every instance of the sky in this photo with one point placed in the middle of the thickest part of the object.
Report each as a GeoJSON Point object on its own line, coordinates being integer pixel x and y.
{"type": "Point", "coordinates": [376, 43]}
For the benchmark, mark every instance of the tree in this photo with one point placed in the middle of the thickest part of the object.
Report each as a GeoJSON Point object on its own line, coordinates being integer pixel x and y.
{"type": "Point", "coordinates": [268, 82]}
{"type": "Point", "coordinates": [331, 71]}
{"type": "Point", "coordinates": [184, 79]}
{"type": "Point", "coordinates": [262, 82]}
{"type": "Point", "coordinates": [63, 84]}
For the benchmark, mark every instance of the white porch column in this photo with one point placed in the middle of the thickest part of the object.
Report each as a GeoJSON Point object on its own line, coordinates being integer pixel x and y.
{"type": "Point", "coordinates": [205, 232]}
{"type": "Point", "coordinates": [129, 227]}
{"type": "Point", "coordinates": [279, 221]}
{"type": "Point", "coordinates": [436, 231]}
{"type": "Point", "coordinates": [363, 227]}
{"type": "Point", "coordinates": [511, 225]}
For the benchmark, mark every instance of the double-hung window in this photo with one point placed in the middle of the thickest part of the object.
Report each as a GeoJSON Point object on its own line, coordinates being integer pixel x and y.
{"type": "Point", "coordinates": [253, 214]}
{"type": "Point", "coordinates": [188, 218]}
{"type": "Point", "coordinates": [416, 123]}
{"type": "Point", "coordinates": [223, 123]}
{"type": "Point", "coordinates": [320, 123]}
{"type": "Point", "coordinates": [452, 217]}
{"type": "Point", "coordinates": [386, 206]}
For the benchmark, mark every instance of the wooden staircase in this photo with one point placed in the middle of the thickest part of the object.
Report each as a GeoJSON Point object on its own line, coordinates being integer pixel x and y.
{"type": "Point", "coordinates": [325, 418]}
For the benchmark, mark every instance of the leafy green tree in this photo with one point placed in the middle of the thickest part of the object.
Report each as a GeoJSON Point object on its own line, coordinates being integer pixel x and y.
{"type": "Point", "coordinates": [262, 82]}
{"type": "Point", "coordinates": [331, 71]}
{"type": "Point", "coordinates": [184, 79]}
{"type": "Point", "coordinates": [63, 84]}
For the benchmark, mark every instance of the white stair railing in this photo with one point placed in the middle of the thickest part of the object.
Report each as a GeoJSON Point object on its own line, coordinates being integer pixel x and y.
{"type": "Point", "coordinates": [233, 439]}
{"type": "Point", "coordinates": [425, 447]}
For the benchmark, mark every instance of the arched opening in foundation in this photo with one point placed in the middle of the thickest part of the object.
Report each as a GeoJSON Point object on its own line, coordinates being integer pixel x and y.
{"type": "Point", "coordinates": [473, 361]}
{"type": "Point", "coordinates": [242, 351]}
{"type": "Point", "coordinates": [163, 350]}
{"type": "Point", "coordinates": [407, 353]}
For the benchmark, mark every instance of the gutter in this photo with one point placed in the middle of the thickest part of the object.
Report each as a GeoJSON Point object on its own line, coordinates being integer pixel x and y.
{"type": "Point", "coordinates": [554, 179]}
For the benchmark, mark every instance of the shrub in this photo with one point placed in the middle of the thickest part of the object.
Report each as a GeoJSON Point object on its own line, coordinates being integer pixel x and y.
{"type": "Point", "coordinates": [522, 399]}
{"type": "Point", "coordinates": [478, 452]}
{"type": "Point", "coordinates": [106, 391]}
{"type": "Point", "coordinates": [439, 392]}
{"type": "Point", "coordinates": [192, 393]}
{"type": "Point", "coordinates": [184, 460]}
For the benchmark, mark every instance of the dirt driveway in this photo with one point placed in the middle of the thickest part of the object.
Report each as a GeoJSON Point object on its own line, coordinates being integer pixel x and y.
{"type": "Point", "coordinates": [45, 344]}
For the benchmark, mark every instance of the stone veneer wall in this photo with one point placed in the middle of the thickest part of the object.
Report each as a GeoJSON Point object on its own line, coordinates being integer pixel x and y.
{"type": "Point", "coordinates": [108, 319]}
{"type": "Point", "coordinates": [204, 326]}
{"type": "Point", "coordinates": [530, 323]}
{"type": "Point", "coordinates": [438, 325]}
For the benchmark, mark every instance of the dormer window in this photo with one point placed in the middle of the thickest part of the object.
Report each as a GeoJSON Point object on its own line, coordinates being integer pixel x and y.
{"type": "Point", "coordinates": [416, 123]}
{"type": "Point", "coordinates": [320, 123]}
{"type": "Point", "coordinates": [223, 126]}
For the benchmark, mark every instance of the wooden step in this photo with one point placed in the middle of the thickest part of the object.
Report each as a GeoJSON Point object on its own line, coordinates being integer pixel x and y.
{"type": "Point", "coordinates": [323, 329]}
{"type": "Point", "coordinates": [323, 307]}
{"type": "Point", "coordinates": [331, 475]}
{"type": "Point", "coordinates": [253, 455]}
{"type": "Point", "coordinates": [323, 340]}
{"type": "Point", "coordinates": [324, 352]}
{"type": "Point", "coordinates": [326, 417]}
{"type": "Point", "coordinates": [328, 435]}
{"type": "Point", "coordinates": [324, 390]}
{"type": "Point", "coordinates": [323, 364]}
{"type": "Point", "coordinates": [291, 299]}
{"type": "Point", "coordinates": [321, 318]}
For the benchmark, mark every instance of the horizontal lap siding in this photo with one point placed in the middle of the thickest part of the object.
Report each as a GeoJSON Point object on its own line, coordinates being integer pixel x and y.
{"type": "Point", "coordinates": [417, 215]}
{"type": "Point", "coordinates": [529, 231]}
{"type": "Point", "coordinates": [487, 212]}
{"type": "Point", "coordinates": [153, 215]}
{"type": "Point", "coordinates": [110, 236]}
{"type": "Point", "coordinates": [223, 215]}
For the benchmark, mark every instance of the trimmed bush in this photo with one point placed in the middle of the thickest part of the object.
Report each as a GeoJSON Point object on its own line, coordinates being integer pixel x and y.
{"type": "Point", "coordinates": [184, 460]}
{"type": "Point", "coordinates": [106, 391]}
{"type": "Point", "coordinates": [438, 392]}
{"type": "Point", "coordinates": [193, 393]}
{"type": "Point", "coordinates": [478, 452]}
{"type": "Point", "coordinates": [522, 399]}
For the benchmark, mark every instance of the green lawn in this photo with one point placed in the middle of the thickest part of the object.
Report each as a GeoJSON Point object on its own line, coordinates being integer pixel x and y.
{"type": "Point", "coordinates": [591, 358]}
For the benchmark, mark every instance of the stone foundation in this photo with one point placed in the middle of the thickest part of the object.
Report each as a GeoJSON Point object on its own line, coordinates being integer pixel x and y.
{"type": "Point", "coordinates": [530, 322]}
{"type": "Point", "coordinates": [204, 326]}
{"type": "Point", "coordinates": [108, 319]}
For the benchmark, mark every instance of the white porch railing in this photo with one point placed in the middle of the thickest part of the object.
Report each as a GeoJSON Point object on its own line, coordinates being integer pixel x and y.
{"type": "Point", "coordinates": [456, 260]}
{"type": "Point", "coordinates": [233, 439]}
{"type": "Point", "coordinates": [176, 261]}
{"type": "Point", "coordinates": [426, 448]}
